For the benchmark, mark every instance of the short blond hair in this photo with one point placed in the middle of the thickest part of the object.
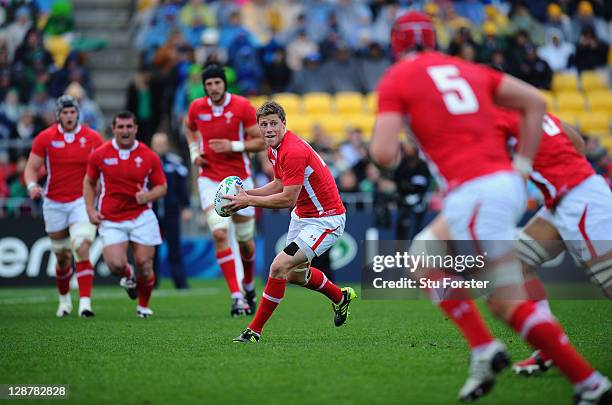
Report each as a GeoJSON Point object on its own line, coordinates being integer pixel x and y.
{"type": "Point", "coordinates": [271, 108]}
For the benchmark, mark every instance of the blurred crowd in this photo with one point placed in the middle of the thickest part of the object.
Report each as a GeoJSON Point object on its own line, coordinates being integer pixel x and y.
{"type": "Point", "coordinates": [40, 59]}
{"type": "Point", "coordinates": [276, 46]}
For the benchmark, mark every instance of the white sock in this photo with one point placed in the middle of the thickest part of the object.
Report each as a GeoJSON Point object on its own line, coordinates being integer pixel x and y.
{"type": "Point", "coordinates": [85, 302]}
{"type": "Point", "coordinates": [65, 299]}
{"type": "Point", "coordinates": [249, 286]}
{"type": "Point", "coordinates": [543, 305]}
{"type": "Point", "coordinates": [591, 381]}
{"type": "Point", "coordinates": [236, 295]}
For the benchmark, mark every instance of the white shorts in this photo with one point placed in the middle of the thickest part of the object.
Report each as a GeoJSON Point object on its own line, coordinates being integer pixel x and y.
{"type": "Point", "coordinates": [59, 216]}
{"type": "Point", "coordinates": [315, 235]}
{"type": "Point", "coordinates": [583, 218]}
{"type": "Point", "coordinates": [208, 189]}
{"type": "Point", "coordinates": [487, 209]}
{"type": "Point", "coordinates": [143, 230]}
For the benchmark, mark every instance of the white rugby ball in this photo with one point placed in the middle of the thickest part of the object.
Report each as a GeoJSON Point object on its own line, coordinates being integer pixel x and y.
{"type": "Point", "coordinates": [226, 187]}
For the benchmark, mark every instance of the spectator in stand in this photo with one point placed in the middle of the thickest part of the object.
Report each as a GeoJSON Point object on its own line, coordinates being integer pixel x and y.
{"type": "Point", "coordinates": [347, 182]}
{"type": "Point", "coordinates": [590, 52]}
{"type": "Point", "coordinates": [61, 20]}
{"type": "Point", "coordinates": [372, 66]}
{"type": "Point", "coordinates": [10, 106]}
{"type": "Point", "coordinates": [244, 58]}
{"type": "Point", "coordinates": [16, 31]}
{"type": "Point", "coordinates": [233, 29]}
{"type": "Point", "coordinates": [499, 19]}
{"type": "Point", "coordinates": [89, 112]}
{"type": "Point", "coordinates": [585, 18]}
{"type": "Point", "coordinates": [298, 49]}
{"type": "Point", "coordinates": [261, 18]}
{"type": "Point", "coordinates": [16, 187]}
{"type": "Point", "coordinates": [491, 42]}
{"type": "Point", "coordinates": [498, 61]}
{"type": "Point", "coordinates": [342, 72]}
{"type": "Point", "coordinates": [30, 59]}
{"type": "Point", "coordinates": [384, 20]}
{"type": "Point", "coordinates": [278, 74]}
{"type": "Point", "coordinates": [516, 52]}
{"type": "Point", "coordinates": [461, 37]}
{"type": "Point", "coordinates": [317, 18]}
{"type": "Point", "coordinates": [140, 101]}
{"type": "Point", "coordinates": [210, 48]}
{"type": "Point", "coordinates": [353, 149]}
{"type": "Point", "coordinates": [535, 70]}
{"type": "Point", "coordinates": [522, 20]}
{"type": "Point", "coordinates": [443, 31]}
{"type": "Point", "coordinates": [354, 20]}
{"type": "Point", "coordinates": [556, 52]}
{"type": "Point", "coordinates": [557, 20]}
{"type": "Point", "coordinates": [195, 17]}
{"type": "Point", "coordinates": [5, 82]}
{"type": "Point", "coordinates": [42, 106]}
{"type": "Point", "coordinates": [310, 78]}
{"type": "Point", "coordinates": [71, 72]}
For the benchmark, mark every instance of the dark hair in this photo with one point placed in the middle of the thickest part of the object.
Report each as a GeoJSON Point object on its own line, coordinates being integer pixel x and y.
{"type": "Point", "coordinates": [271, 108]}
{"type": "Point", "coordinates": [125, 114]}
{"type": "Point", "coordinates": [213, 71]}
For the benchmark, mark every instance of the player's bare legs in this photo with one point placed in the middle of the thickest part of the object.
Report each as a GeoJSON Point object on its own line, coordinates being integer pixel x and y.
{"type": "Point", "coordinates": [225, 257]}
{"type": "Point", "coordinates": [60, 244]}
{"type": "Point", "coordinates": [115, 257]}
{"type": "Point", "coordinates": [145, 277]}
{"type": "Point", "coordinates": [245, 226]}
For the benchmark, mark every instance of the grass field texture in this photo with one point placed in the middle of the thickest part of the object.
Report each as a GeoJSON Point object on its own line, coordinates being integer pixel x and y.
{"type": "Point", "coordinates": [388, 352]}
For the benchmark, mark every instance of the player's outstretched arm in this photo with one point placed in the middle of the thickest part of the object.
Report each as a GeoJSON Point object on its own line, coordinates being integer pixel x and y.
{"type": "Point", "coordinates": [30, 175]}
{"type": "Point", "coordinates": [285, 199]}
{"type": "Point", "coordinates": [89, 195]}
{"type": "Point", "coordinates": [385, 144]}
{"type": "Point", "coordinates": [574, 137]}
{"type": "Point", "coordinates": [518, 95]}
{"type": "Point", "coordinates": [273, 187]}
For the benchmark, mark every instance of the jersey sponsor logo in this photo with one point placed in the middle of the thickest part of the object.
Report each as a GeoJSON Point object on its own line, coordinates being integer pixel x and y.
{"type": "Point", "coordinates": [205, 117]}
{"type": "Point", "coordinates": [58, 144]}
{"type": "Point", "coordinates": [228, 117]}
{"type": "Point", "coordinates": [111, 161]}
{"type": "Point", "coordinates": [138, 161]}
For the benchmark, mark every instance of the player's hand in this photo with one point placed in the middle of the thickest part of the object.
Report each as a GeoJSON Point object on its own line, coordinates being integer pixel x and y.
{"type": "Point", "coordinates": [200, 161]}
{"type": "Point", "coordinates": [95, 217]}
{"type": "Point", "coordinates": [142, 196]}
{"type": "Point", "coordinates": [220, 145]}
{"type": "Point", "coordinates": [238, 201]}
{"type": "Point", "coordinates": [35, 192]}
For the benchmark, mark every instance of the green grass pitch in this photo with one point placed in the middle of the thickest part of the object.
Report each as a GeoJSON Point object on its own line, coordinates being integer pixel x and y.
{"type": "Point", "coordinates": [388, 352]}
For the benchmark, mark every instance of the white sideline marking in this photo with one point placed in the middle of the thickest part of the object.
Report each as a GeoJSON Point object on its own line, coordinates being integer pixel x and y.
{"type": "Point", "coordinates": [109, 296]}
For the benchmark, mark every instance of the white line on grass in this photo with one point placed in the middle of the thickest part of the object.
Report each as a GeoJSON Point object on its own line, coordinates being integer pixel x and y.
{"type": "Point", "coordinates": [110, 296]}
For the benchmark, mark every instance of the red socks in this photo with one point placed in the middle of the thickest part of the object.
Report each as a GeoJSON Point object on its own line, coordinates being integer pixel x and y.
{"type": "Point", "coordinates": [271, 297]}
{"type": "Point", "coordinates": [248, 263]}
{"type": "Point", "coordinates": [128, 271]}
{"type": "Point", "coordinates": [62, 279]}
{"type": "Point", "coordinates": [84, 274]}
{"type": "Point", "coordinates": [319, 282]}
{"type": "Point", "coordinates": [145, 288]}
{"type": "Point", "coordinates": [467, 318]}
{"type": "Point", "coordinates": [228, 267]}
{"type": "Point", "coordinates": [540, 329]}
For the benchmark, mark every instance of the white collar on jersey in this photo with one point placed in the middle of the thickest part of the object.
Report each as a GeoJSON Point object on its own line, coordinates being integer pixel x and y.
{"type": "Point", "coordinates": [218, 109]}
{"type": "Point", "coordinates": [69, 136]}
{"type": "Point", "coordinates": [124, 154]}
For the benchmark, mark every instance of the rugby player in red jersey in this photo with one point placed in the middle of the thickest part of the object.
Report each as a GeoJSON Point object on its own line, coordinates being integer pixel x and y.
{"type": "Point", "coordinates": [221, 130]}
{"type": "Point", "coordinates": [577, 215]}
{"type": "Point", "coordinates": [450, 106]}
{"type": "Point", "coordinates": [301, 180]}
{"type": "Point", "coordinates": [131, 178]}
{"type": "Point", "coordinates": [63, 149]}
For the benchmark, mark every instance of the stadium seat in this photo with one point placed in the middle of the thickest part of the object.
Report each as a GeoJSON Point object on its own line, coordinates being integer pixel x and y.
{"type": "Point", "coordinates": [568, 116]}
{"type": "Point", "coordinates": [606, 143]}
{"type": "Point", "coordinates": [550, 99]}
{"type": "Point", "coordinates": [317, 103]}
{"type": "Point", "coordinates": [365, 122]}
{"type": "Point", "coordinates": [334, 126]}
{"type": "Point", "coordinates": [594, 123]}
{"type": "Point", "coordinates": [257, 101]}
{"type": "Point", "coordinates": [564, 82]}
{"type": "Point", "coordinates": [291, 103]}
{"type": "Point", "coordinates": [370, 102]}
{"type": "Point", "coordinates": [570, 101]}
{"type": "Point", "coordinates": [600, 101]}
{"type": "Point", "coordinates": [593, 80]}
{"type": "Point", "coordinates": [349, 103]}
{"type": "Point", "coordinates": [300, 124]}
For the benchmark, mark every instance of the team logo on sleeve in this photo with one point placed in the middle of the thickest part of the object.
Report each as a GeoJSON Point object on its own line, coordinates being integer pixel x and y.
{"type": "Point", "coordinates": [228, 117]}
{"type": "Point", "coordinates": [138, 161]}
